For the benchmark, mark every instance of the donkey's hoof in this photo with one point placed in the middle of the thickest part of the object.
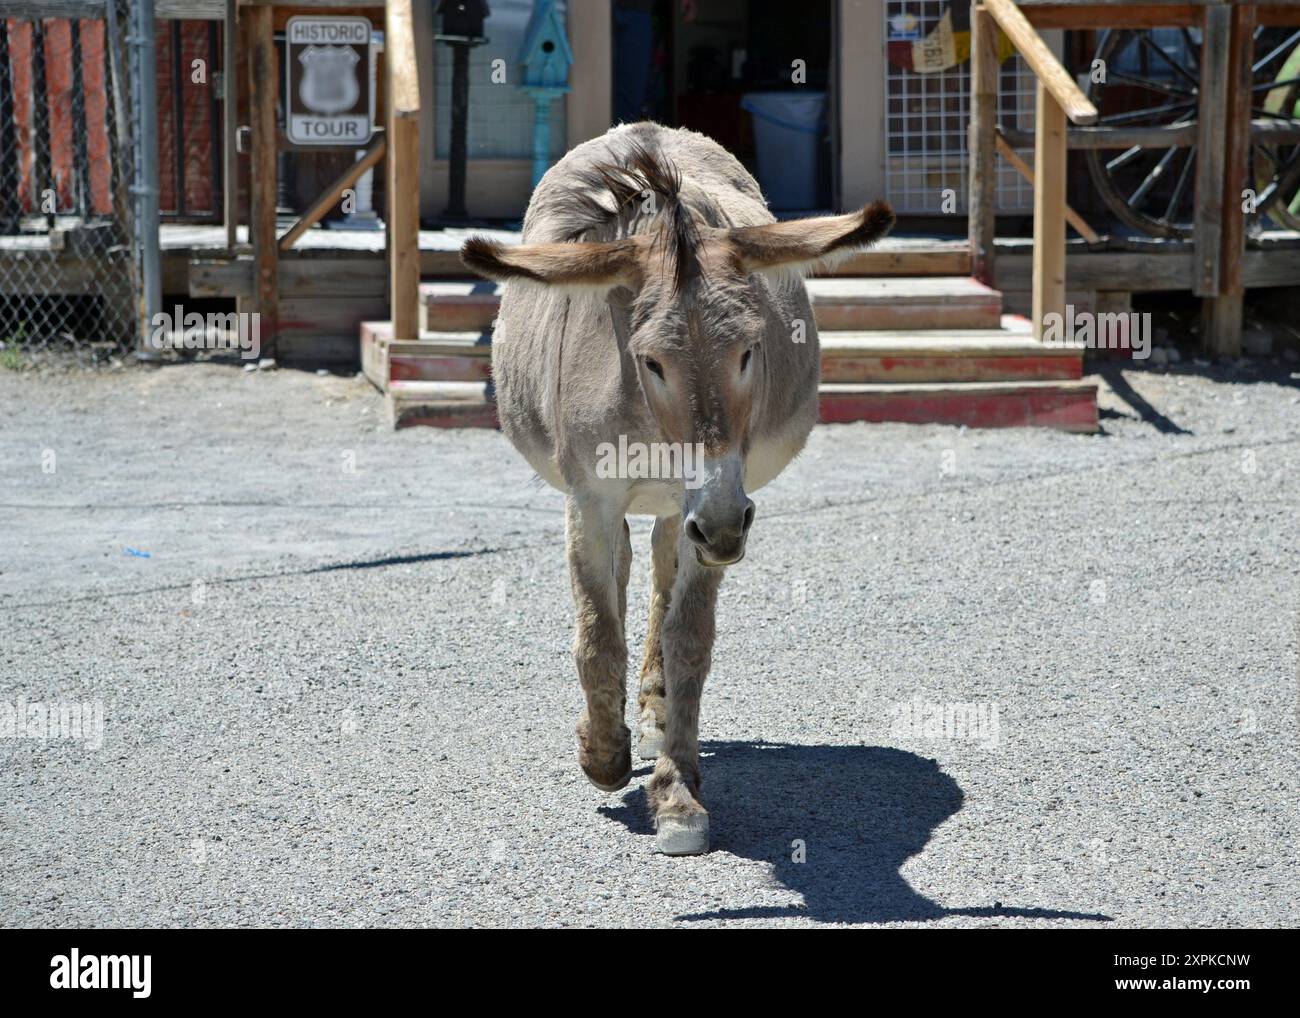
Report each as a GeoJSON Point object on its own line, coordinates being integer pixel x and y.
{"type": "Point", "coordinates": [650, 742]}
{"type": "Point", "coordinates": [612, 786]}
{"type": "Point", "coordinates": [688, 835]}
{"type": "Point", "coordinates": [608, 772]}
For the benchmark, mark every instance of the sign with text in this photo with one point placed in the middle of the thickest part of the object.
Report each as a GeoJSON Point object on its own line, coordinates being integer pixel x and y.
{"type": "Point", "coordinates": [329, 100]}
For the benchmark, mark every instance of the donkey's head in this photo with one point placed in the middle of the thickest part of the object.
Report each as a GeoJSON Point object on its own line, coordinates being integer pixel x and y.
{"type": "Point", "coordinates": [696, 320]}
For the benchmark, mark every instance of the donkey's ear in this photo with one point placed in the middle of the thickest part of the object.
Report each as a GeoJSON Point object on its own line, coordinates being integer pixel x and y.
{"type": "Point", "coordinates": [585, 264]}
{"type": "Point", "coordinates": [800, 244]}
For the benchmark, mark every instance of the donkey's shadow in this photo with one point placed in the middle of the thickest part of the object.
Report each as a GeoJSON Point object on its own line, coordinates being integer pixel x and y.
{"type": "Point", "coordinates": [835, 822]}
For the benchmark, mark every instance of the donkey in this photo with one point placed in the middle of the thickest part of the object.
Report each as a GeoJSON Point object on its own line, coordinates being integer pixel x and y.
{"type": "Point", "coordinates": [655, 300]}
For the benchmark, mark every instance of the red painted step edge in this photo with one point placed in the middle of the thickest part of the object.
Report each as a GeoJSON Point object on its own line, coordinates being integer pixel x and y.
{"type": "Point", "coordinates": [1068, 410]}
{"type": "Point", "coordinates": [423, 368]}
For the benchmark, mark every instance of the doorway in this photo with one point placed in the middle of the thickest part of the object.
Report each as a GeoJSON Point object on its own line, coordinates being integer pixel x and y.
{"type": "Point", "coordinates": [750, 74]}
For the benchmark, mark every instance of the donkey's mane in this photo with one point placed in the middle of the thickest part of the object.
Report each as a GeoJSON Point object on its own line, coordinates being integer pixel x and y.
{"type": "Point", "coordinates": [612, 193]}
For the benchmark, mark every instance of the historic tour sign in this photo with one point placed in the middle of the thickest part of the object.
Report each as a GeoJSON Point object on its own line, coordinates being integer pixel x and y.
{"type": "Point", "coordinates": [329, 100]}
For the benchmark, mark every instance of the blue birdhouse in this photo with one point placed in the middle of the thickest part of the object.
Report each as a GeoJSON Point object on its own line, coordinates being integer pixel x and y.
{"type": "Point", "coordinates": [546, 55]}
{"type": "Point", "coordinates": [546, 59]}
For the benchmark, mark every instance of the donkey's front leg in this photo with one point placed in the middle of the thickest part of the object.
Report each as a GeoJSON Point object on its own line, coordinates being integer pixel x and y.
{"type": "Point", "coordinates": [599, 558]}
{"type": "Point", "coordinates": [681, 822]}
{"type": "Point", "coordinates": [652, 708]}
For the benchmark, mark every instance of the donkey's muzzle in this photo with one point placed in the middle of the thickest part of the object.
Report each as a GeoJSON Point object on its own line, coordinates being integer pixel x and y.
{"type": "Point", "coordinates": [719, 536]}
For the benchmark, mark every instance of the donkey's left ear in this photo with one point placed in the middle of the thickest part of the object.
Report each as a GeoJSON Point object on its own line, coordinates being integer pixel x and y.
{"type": "Point", "coordinates": [800, 244]}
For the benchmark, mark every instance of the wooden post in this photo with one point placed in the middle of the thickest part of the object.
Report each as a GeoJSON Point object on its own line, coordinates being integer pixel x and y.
{"type": "Point", "coordinates": [589, 107]}
{"type": "Point", "coordinates": [402, 169]}
{"type": "Point", "coordinates": [1050, 153]}
{"type": "Point", "coordinates": [1221, 316]}
{"type": "Point", "coordinates": [229, 116]}
{"type": "Point", "coordinates": [262, 91]}
{"type": "Point", "coordinates": [983, 186]}
{"type": "Point", "coordinates": [1207, 232]}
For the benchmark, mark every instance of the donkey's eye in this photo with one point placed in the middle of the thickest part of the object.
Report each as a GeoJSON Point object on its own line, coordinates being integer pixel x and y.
{"type": "Point", "coordinates": [744, 358]}
{"type": "Point", "coordinates": [655, 366]}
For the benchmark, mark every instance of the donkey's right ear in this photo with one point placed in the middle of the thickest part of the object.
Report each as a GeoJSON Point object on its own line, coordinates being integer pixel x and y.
{"type": "Point", "coordinates": [799, 245]}
{"type": "Point", "coordinates": [581, 264]}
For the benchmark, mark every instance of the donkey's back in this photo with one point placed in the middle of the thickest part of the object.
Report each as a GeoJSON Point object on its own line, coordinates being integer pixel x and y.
{"type": "Point", "coordinates": [715, 185]}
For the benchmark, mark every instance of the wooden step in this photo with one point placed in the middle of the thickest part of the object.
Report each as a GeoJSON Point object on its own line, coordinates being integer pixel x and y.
{"type": "Point", "coordinates": [1006, 355]}
{"type": "Point", "coordinates": [435, 356]}
{"type": "Point", "coordinates": [1066, 405]}
{"type": "Point", "coordinates": [458, 306]}
{"type": "Point", "coordinates": [906, 256]}
{"type": "Point", "coordinates": [442, 404]}
{"type": "Point", "coordinates": [932, 302]}
{"type": "Point", "coordinates": [839, 303]}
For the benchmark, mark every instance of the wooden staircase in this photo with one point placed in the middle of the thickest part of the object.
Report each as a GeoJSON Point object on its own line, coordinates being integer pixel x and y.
{"type": "Point", "coordinates": [912, 349]}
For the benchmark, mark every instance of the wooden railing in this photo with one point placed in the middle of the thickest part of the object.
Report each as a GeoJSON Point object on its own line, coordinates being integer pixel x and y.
{"type": "Point", "coordinates": [1223, 134]}
{"type": "Point", "coordinates": [1058, 98]}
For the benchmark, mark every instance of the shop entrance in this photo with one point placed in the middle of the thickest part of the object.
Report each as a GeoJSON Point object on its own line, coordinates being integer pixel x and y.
{"type": "Point", "coordinates": [752, 75]}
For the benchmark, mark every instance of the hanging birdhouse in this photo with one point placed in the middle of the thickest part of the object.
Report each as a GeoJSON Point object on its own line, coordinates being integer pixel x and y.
{"type": "Point", "coordinates": [546, 56]}
{"type": "Point", "coordinates": [463, 18]}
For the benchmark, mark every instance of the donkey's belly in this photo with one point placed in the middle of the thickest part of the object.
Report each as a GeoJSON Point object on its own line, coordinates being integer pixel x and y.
{"type": "Point", "coordinates": [522, 424]}
{"type": "Point", "coordinates": [521, 372]}
{"type": "Point", "coordinates": [544, 463]}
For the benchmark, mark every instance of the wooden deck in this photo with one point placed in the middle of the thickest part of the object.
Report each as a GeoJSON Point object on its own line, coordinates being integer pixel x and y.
{"type": "Point", "coordinates": [342, 263]}
{"type": "Point", "coordinates": [333, 280]}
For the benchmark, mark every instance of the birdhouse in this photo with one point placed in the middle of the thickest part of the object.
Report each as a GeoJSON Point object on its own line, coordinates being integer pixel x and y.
{"type": "Point", "coordinates": [463, 18]}
{"type": "Point", "coordinates": [546, 55]}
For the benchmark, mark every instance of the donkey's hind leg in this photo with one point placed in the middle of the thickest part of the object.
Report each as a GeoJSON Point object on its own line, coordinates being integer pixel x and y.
{"type": "Point", "coordinates": [652, 709]}
{"type": "Point", "coordinates": [599, 560]}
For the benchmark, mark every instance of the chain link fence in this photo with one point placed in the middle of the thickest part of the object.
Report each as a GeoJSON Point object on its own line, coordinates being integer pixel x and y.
{"type": "Point", "coordinates": [70, 277]}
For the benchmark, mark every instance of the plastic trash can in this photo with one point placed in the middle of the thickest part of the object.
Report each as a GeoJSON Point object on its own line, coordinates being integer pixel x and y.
{"type": "Point", "coordinates": [788, 129]}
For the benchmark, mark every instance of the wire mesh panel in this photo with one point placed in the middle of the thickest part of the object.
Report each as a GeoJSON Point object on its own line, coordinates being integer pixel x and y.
{"type": "Point", "coordinates": [67, 269]}
{"type": "Point", "coordinates": [927, 95]}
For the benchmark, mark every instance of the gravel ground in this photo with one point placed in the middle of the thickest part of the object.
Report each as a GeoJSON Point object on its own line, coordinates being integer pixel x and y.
{"type": "Point", "coordinates": [338, 690]}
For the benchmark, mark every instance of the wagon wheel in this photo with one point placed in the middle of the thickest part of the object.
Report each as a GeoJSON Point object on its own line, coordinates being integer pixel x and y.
{"type": "Point", "coordinates": [1153, 80]}
{"type": "Point", "coordinates": [1279, 165]}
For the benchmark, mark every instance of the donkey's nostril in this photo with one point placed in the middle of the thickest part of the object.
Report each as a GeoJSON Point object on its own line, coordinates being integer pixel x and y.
{"type": "Point", "coordinates": [720, 541]}
{"type": "Point", "coordinates": [694, 532]}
